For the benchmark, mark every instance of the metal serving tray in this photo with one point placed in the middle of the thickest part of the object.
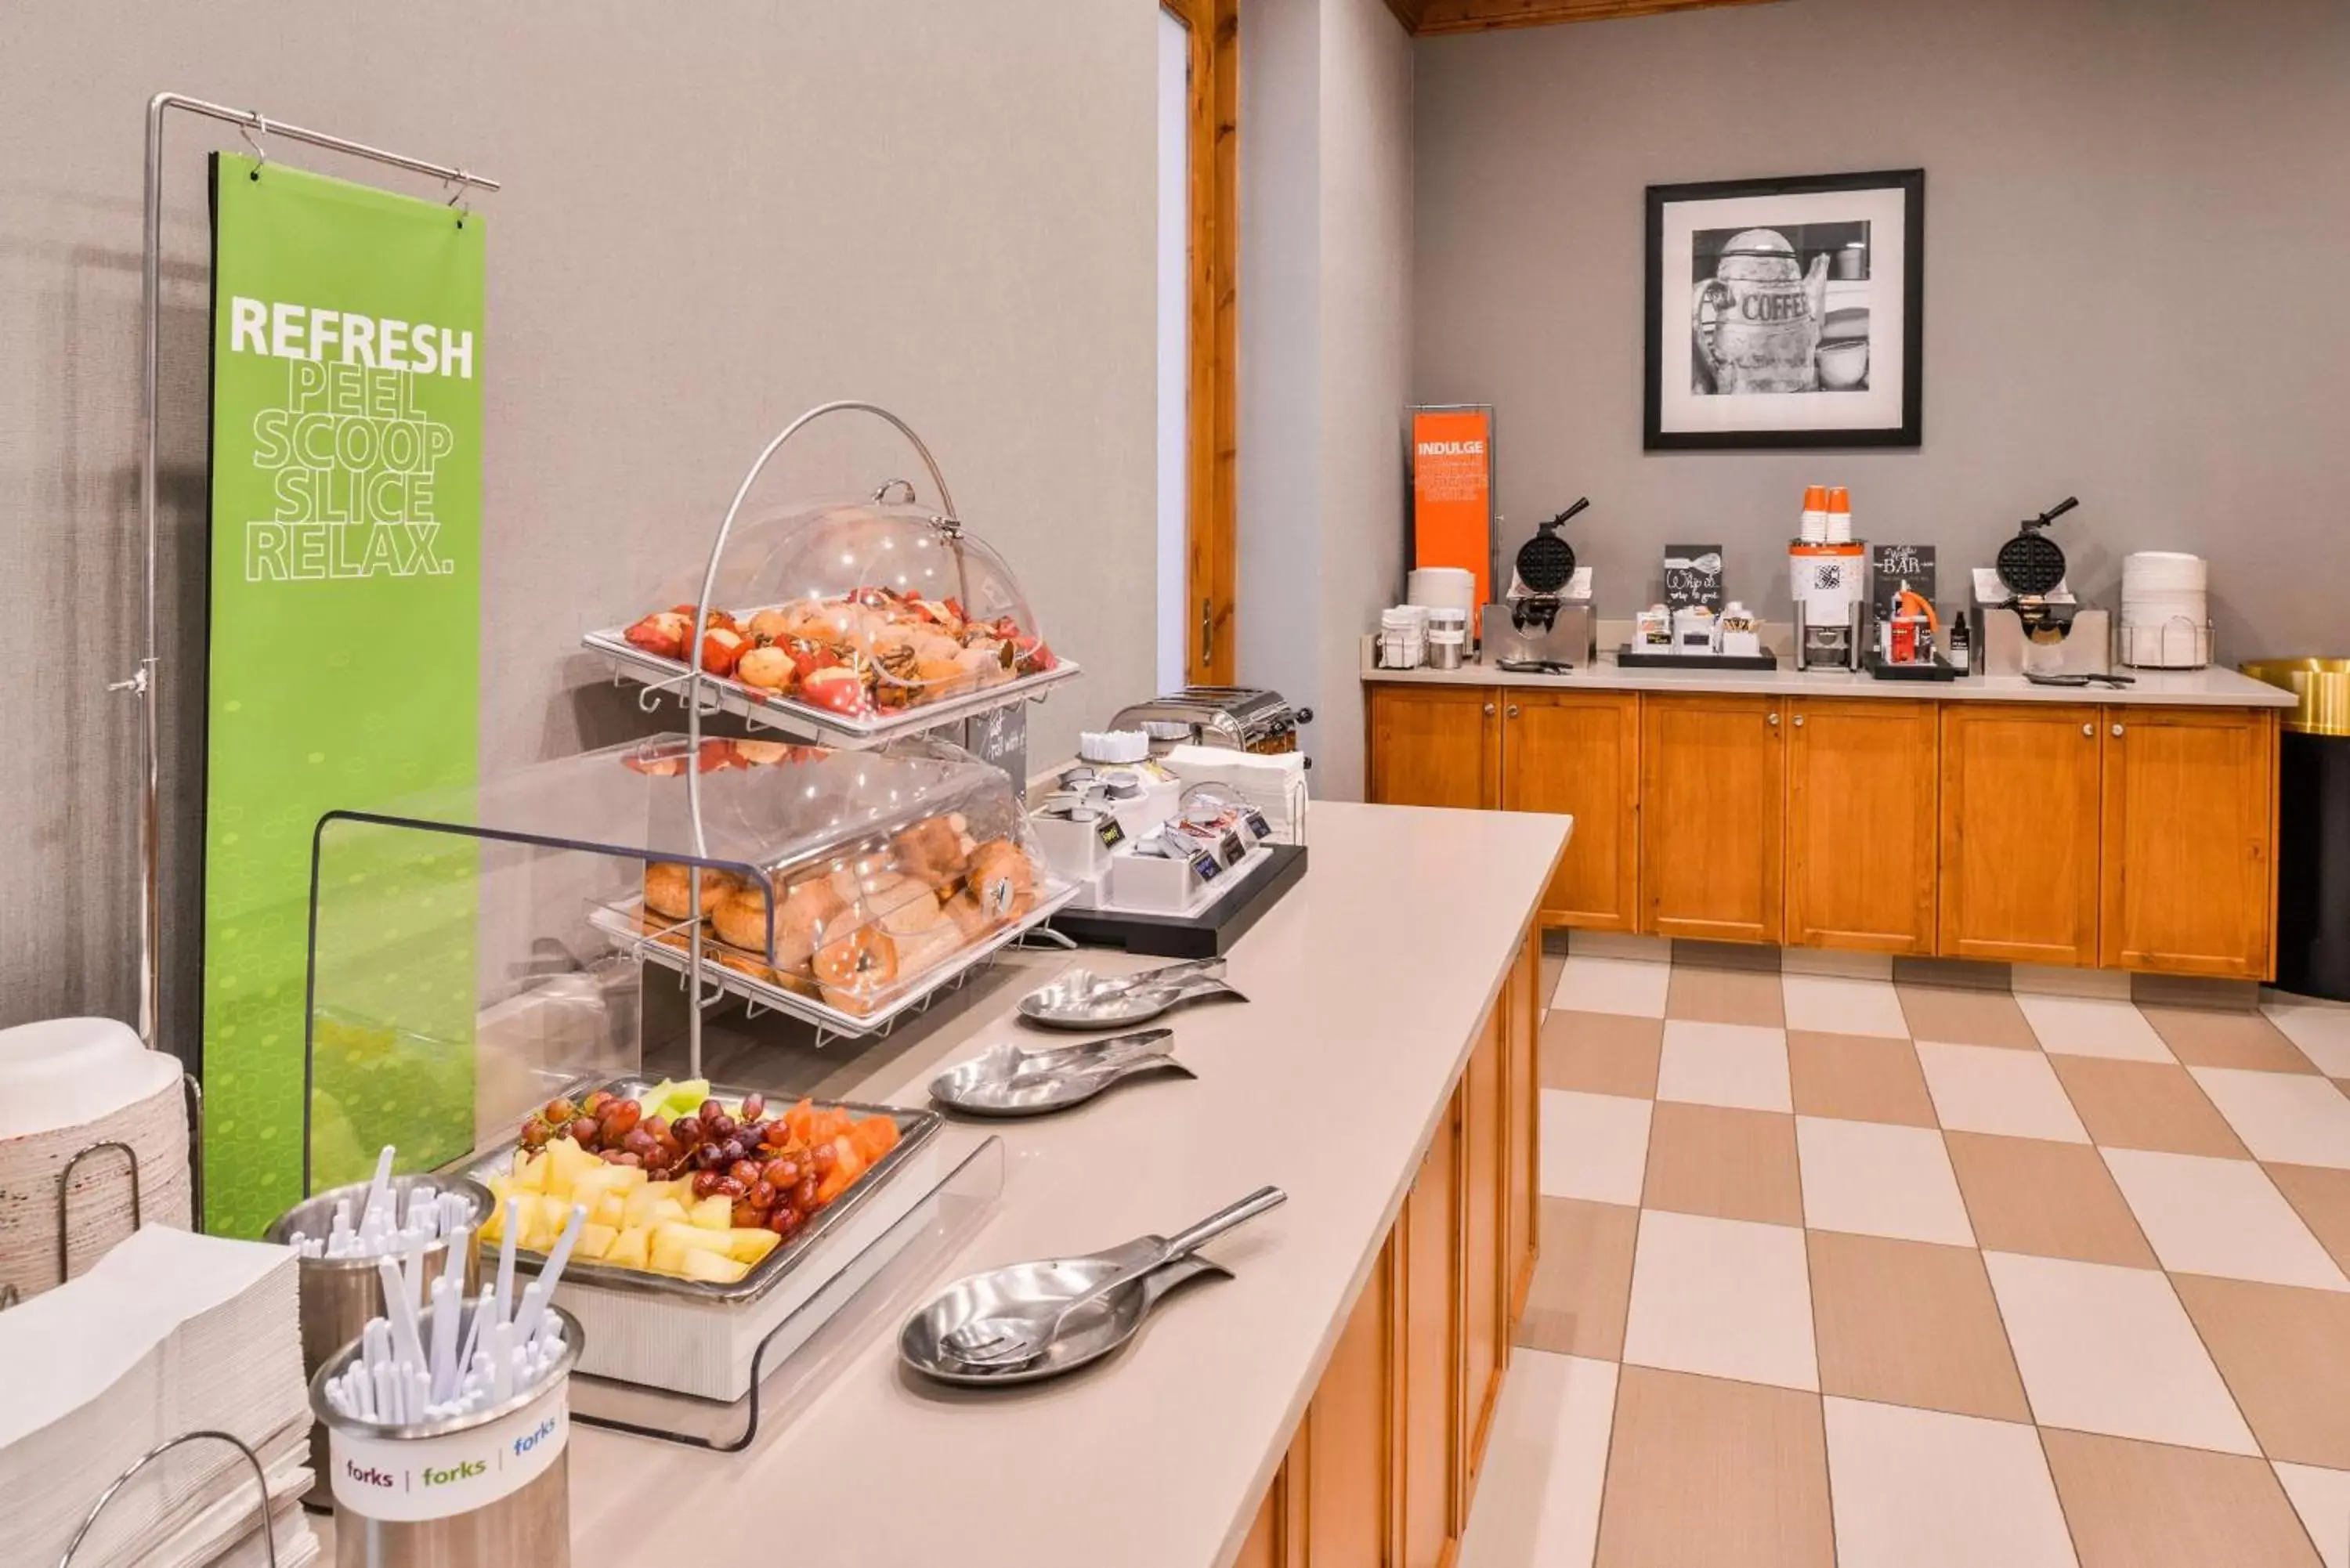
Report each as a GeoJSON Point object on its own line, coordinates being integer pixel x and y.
{"type": "Point", "coordinates": [915, 1128]}
{"type": "Point", "coordinates": [624, 923]}
{"type": "Point", "coordinates": [765, 709]}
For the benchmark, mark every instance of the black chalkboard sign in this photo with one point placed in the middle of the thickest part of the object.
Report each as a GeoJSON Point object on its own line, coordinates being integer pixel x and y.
{"type": "Point", "coordinates": [1892, 566]}
{"type": "Point", "coordinates": [1693, 576]}
{"type": "Point", "coordinates": [1000, 736]}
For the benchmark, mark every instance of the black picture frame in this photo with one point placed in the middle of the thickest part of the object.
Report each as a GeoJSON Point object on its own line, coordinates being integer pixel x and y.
{"type": "Point", "coordinates": [1661, 359]}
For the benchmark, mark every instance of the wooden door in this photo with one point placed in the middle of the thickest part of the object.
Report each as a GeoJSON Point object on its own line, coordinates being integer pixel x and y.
{"type": "Point", "coordinates": [1579, 752]}
{"type": "Point", "coordinates": [1484, 1285]}
{"type": "Point", "coordinates": [2020, 832]}
{"type": "Point", "coordinates": [1433, 745]}
{"type": "Point", "coordinates": [1521, 1090]}
{"type": "Point", "coordinates": [1426, 1417]}
{"type": "Point", "coordinates": [1349, 1466]}
{"type": "Point", "coordinates": [1711, 802]}
{"type": "Point", "coordinates": [2190, 867]}
{"type": "Point", "coordinates": [1862, 779]}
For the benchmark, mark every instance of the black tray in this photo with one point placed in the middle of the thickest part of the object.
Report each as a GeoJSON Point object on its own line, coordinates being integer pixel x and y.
{"type": "Point", "coordinates": [1629, 657]}
{"type": "Point", "coordinates": [1211, 932]}
{"type": "Point", "coordinates": [1935, 671]}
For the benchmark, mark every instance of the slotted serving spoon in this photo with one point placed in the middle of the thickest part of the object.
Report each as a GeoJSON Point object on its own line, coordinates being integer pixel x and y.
{"type": "Point", "coordinates": [1007, 1340]}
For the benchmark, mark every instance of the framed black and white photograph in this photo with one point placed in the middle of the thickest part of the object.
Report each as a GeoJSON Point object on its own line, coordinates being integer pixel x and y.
{"type": "Point", "coordinates": [1786, 312]}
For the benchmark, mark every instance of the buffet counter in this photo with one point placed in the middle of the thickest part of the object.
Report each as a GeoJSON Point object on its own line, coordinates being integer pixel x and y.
{"type": "Point", "coordinates": [2213, 687]}
{"type": "Point", "coordinates": [1370, 984]}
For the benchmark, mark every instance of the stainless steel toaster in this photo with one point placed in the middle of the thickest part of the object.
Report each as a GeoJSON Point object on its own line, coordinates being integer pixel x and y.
{"type": "Point", "coordinates": [1239, 718]}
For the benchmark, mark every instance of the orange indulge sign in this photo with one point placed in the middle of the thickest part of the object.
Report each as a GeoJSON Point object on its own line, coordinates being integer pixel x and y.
{"type": "Point", "coordinates": [1451, 492]}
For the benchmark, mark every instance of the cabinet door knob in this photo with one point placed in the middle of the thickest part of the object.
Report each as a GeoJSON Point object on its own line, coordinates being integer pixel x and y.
{"type": "Point", "coordinates": [1488, 710]}
{"type": "Point", "coordinates": [1775, 720]}
{"type": "Point", "coordinates": [1799, 721]}
{"type": "Point", "coordinates": [2086, 729]}
{"type": "Point", "coordinates": [1514, 710]}
{"type": "Point", "coordinates": [2117, 731]}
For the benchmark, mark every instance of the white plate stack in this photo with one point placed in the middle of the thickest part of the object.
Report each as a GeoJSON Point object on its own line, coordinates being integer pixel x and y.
{"type": "Point", "coordinates": [1403, 636]}
{"type": "Point", "coordinates": [1274, 782]}
{"type": "Point", "coordinates": [169, 1333]}
{"type": "Point", "coordinates": [65, 1084]}
{"type": "Point", "coordinates": [2166, 613]}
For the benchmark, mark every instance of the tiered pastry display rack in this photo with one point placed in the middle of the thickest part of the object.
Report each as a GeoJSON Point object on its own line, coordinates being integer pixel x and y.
{"type": "Point", "coordinates": [848, 623]}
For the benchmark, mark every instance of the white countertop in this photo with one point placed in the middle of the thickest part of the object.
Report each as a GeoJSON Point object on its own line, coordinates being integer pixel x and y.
{"type": "Point", "coordinates": [2211, 687]}
{"type": "Point", "coordinates": [1366, 982]}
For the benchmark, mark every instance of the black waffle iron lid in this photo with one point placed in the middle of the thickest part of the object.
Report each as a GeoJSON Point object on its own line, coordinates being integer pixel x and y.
{"type": "Point", "coordinates": [1546, 562]}
{"type": "Point", "coordinates": [2030, 564]}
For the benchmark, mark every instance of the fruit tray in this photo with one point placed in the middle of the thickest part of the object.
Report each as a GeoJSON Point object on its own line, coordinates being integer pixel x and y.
{"type": "Point", "coordinates": [665, 943]}
{"type": "Point", "coordinates": [799, 718]}
{"type": "Point", "coordinates": [915, 1128]}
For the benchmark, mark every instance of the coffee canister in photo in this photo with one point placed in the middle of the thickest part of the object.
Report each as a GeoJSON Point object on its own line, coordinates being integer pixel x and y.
{"type": "Point", "coordinates": [489, 1487]}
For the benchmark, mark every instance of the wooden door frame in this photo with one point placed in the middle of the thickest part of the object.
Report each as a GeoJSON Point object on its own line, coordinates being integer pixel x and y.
{"type": "Point", "coordinates": [1212, 566]}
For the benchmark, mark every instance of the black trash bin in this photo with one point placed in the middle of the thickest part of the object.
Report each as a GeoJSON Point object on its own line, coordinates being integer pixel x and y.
{"type": "Point", "coordinates": [2313, 826]}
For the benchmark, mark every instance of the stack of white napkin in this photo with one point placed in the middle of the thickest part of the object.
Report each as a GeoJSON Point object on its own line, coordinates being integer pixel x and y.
{"type": "Point", "coordinates": [1275, 784]}
{"type": "Point", "coordinates": [65, 1084]}
{"type": "Point", "coordinates": [169, 1333]}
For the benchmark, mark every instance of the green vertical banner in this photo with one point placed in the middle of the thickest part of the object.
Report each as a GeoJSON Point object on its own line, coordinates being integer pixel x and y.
{"type": "Point", "coordinates": [347, 361]}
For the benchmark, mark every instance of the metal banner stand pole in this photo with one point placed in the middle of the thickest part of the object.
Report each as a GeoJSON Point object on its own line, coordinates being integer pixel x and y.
{"type": "Point", "coordinates": [142, 681]}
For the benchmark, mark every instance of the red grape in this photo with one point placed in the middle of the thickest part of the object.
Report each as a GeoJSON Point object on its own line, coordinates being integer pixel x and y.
{"type": "Point", "coordinates": [780, 1172]}
{"type": "Point", "coordinates": [558, 1111]}
{"type": "Point", "coordinates": [784, 1221]}
{"type": "Point", "coordinates": [748, 1215]}
{"type": "Point", "coordinates": [623, 1157]}
{"type": "Point", "coordinates": [822, 1157]}
{"type": "Point", "coordinates": [763, 1193]}
{"type": "Point", "coordinates": [753, 1105]}
{"type": "Point", "coordinates": [657, 1125]}
{"type": "Point", "coordinates": [803, 1196]}
{"type": "Point", "coordinates": [706, 1183]}
{"type": "Point", "coordinates": [687, 1130]}
{"type": "Point", "coordinates": [620, 1117]}
{"type": "Point", "coordinates": [639, 1142]}
{"type": "Point", "coordinates": [730, 1186]}
{"type": "Point", "coordinates": [533, 1135]}
{"type": "Point", "coordinates": [743, 1171]}
{"type": "Point", "coordinates": [582, 1133]}
{"type": "Point", "coordinates": [710, 1111]}
{"type": "Point", "coordinates": [721, 1126]}
{"type": "Point", "coordinates": [593, 1106]}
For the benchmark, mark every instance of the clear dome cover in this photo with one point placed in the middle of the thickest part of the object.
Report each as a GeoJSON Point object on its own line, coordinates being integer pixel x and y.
{"type": "Point", "coordinates": [859, 610]}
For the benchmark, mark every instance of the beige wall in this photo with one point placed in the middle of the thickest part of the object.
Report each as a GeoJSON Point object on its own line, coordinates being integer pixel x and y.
{"type": "Point", "coordinates": [1326, 300]}
{"type": "Point", "coordinates": [2137, 222]}
{"type": "Point", "coordinates": [715, 215]}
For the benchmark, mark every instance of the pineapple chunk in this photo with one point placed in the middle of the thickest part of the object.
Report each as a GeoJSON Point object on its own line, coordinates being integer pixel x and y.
{"type": "Point", "coordinates": [629, 1249]}
{"type": "Point", "coordinates": [716, 1267]}
{"type": "Point", "coordinates": [747, 1245]}
{"type": "Point", "coordinates": [637, 1207]}
{"type": "Point", "coordinates": [594, 1241]}
{"type": "Point", "coordinates": [569, 1164]}
{"type": "Point", "coordinates": [530, 1173]}
{"type": "Point", "coordinates": [625, 1177]}
{"type": "Point", "coordinates": [673, 1241]}
{"type": "Point", "coordinates": [716, 1212]}
{"type": "Point", "coordinates": [607, 1209]}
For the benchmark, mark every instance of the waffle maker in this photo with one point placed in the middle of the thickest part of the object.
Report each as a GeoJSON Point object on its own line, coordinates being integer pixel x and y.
{"type": "Point", "coordinates": [2030, 566]}
{"type": "Point", "coordinates": [1540, 626]}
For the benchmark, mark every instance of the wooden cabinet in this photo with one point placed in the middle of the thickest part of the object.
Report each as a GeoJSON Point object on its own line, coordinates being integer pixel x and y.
{"type": "Point", "coordinates": [2190, 884]}
{"type": "Point", "coordinates": [2020, 803]}
{"type": "Point", "coordinates": [1386, 1461]}
{"type": "Point", "coordinates": [1484, 1188]}
{"type": "Point", "coordinates": [1862, 779]}
{"type": "Point", "coordinates": [1712, 795]}
{"type": "Point", "coordinates": [1579, 753]}
{"type": "Point", "coordinates": [1433, 745]}
{"type": "Point", "coordinates": [1429, 1411]}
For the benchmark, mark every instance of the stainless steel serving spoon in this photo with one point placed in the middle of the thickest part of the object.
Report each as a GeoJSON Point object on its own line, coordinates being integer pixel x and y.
{"type": "Point", "coordinates": [1007, 1341]}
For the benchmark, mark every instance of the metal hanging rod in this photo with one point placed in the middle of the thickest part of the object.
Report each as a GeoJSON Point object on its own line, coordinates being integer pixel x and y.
{"type": "Point", "coordinates": [141, 682]}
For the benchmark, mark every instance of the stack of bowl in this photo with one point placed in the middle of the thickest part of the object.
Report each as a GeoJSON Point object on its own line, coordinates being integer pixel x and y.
{"type": "Point", "coordinates": [2166, 614]}
{"type": "Point", "coordinates": [68, 1084]}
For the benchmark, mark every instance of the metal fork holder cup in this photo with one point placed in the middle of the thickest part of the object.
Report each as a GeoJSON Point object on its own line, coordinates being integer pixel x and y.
{"type": "Point", "coordinates": [339, 1296]}
{"type": "Point", "coordinates": [480, 1490]}
{"type": "Point", "coordinates": [2313, 825]}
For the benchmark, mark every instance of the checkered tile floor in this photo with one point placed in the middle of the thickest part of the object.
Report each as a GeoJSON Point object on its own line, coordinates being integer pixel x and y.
{"type": "Point", "coordinates": [1837, 1271]}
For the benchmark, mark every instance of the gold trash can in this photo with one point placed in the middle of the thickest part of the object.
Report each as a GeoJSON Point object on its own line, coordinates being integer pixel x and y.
{"type": "Point", "coordinates": [2313, 825]}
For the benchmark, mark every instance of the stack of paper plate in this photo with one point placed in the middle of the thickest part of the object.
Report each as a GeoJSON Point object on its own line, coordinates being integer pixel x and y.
{"type": "Point", "coordinates": [66, 1084]}
{"type": "Point", "coordinates": [170, 1332]}
{"type": "Point", "coordinates": [2166, 613]}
